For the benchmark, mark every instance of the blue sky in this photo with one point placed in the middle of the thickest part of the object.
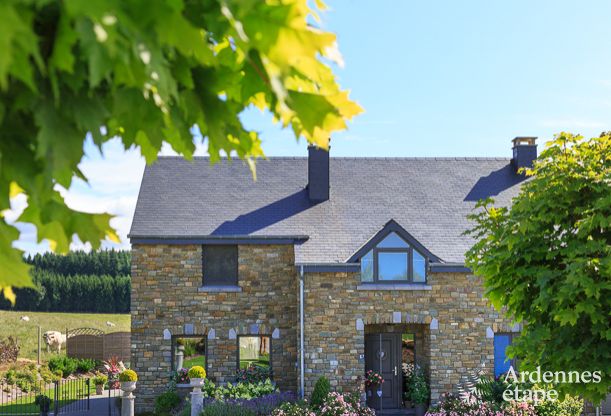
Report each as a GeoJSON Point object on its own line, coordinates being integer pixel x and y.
{"type": "Point", "coordinates": [435, 79]}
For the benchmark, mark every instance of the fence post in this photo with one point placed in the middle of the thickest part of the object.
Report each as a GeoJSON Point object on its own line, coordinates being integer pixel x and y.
{"type": "Point", "coordinates": [39, 336]}
{"type": "Point", "coordinates": [88, 391]}
{"type": "Point", "coordinates": [56, 398]}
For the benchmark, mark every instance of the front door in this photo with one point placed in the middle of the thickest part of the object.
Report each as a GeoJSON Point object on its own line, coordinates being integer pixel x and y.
{"type": "Point", "coordinates": [383, 356]}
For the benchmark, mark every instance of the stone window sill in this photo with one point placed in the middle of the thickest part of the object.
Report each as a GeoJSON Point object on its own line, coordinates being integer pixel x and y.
{"type": "Point", "coordinates": [394, 286]}
{"type": "Point", "coordinates": [219, 289]}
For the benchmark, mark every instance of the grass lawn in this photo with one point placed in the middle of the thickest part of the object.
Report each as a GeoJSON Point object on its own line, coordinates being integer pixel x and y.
{"type": "Point", "coordinates": [194, 360]}
{"type": "Point", "coordinates": [67, 394]}
{"type": "Point", "coordinates": [27, 332]}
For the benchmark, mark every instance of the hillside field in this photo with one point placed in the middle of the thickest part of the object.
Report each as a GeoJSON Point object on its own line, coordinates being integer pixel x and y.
{"type": "Point", "coordinates": [27, 332]}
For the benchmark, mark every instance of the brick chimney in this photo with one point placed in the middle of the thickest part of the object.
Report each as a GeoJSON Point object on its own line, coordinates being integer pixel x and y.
{"type": "Point", "coordinates": [318, 174]}
{"type": "Point", "coordinates": [524, 152]}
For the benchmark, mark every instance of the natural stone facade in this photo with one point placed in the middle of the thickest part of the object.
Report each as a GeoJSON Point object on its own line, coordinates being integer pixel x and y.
{"type": "Point", "coordinates": [452, 322]}
{"type": "Point", "coordinates": [165, 282]}
{"type": "Point", "coordinates": [458, 337]}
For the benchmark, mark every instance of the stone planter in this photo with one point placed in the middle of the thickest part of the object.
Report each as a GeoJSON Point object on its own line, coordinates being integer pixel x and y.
{"type": "Point", "coordinates": [183, 390]}
{"type": "Point", "coordinates": [128, 386]}
{"type": "Point", "coordinates": [420, 409]}
{"type": "Point", "coordinates": [99, 389]}
{"type": "Point", "coordinates": [197, 382]}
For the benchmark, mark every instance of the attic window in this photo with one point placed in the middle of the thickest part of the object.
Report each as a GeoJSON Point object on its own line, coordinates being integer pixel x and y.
{"type": "Point", "coordinates": [220, 265]}
{"type": "Point", "coordinates": [393, 260]}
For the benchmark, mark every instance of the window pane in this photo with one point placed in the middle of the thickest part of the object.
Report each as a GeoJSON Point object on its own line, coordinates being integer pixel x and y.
{"type": "Point", "coordinates": [392, 266]}
{"type": "Point", "coordinates": [501, 362]}
{"type": "Point", "coordinates": [220, 265]}
{"type": "Point", "coordinates": [189, 351]}
{"type": "Point", "coordinates": [392, 240]}
{"type": "Point", "coordinates": [367, 267]}
{"type": "Point", "coordinates": [419, 268]}
{"type": "Point", "coordinates": [254, 351]}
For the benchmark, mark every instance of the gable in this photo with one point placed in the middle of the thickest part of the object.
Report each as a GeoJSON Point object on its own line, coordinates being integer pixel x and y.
{"type": "Point", "coordinates": [392, 227]}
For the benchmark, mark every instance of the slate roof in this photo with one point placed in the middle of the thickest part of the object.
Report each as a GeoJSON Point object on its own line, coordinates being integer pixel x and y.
{"type": "Point", "coordinates": [428, 197]}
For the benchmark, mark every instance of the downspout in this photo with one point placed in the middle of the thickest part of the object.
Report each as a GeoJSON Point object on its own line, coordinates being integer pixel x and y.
{"type": "Point", "coordinates": [301, 338]}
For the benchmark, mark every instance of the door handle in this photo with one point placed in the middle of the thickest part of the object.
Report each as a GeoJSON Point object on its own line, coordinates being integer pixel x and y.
{"type": "Point", "coordinates": [395, 371]}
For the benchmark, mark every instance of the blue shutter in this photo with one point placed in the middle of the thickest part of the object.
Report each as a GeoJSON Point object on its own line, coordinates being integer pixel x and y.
{"type": "Point", "coordinates": [501, 362]}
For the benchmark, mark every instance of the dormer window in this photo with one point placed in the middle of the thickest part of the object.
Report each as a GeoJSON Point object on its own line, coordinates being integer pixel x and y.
{"type": "Point", "coordinates": [393, 260]}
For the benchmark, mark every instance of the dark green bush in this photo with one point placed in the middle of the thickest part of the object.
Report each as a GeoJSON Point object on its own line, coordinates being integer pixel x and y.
{"type": "Point", "coordinates": [322, 388]}
{"type": "Point", "coordinates": [166, 402]}
{"type": "Point", "coordinates": [86, 365]}
{"type": "Point", "coordinates": [64, 364]}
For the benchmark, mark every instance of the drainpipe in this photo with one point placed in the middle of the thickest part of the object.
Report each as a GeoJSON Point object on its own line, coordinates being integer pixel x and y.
{"type": "Point", "coordinates": [301, 339]}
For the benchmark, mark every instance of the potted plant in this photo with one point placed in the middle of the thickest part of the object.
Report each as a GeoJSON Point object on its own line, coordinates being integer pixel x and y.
{"type": "Point", "coordinates": [180, 380]}
{"type": "Point", "coordinates": [372, 381]}
{"type": "Point", "coordinates": [197, 374]}
{"type": "Point", "coordinates": [128, 379]}
{"type": "Point", "coordinates": [419, 393]}
{"type": "Point", "coordinates": [99, 380]}
{"type": "Point", "coordinates": [44, 403]}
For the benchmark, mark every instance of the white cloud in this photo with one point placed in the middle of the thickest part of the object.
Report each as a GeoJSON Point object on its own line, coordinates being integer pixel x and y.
{"type": "Point", "coordinates": [114, 177]}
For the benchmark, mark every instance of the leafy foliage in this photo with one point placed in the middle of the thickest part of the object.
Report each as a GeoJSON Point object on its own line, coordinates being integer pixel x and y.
{"type": "Point", "coordinates": [546, 261]}
{"type": "Point", "coordinates": [253, 373]}
{"type": "Point", "coordinates": [67, 365]}
{"type": "Point", "coordinates": [147, 74]}
{"type": "Point", "coordinates": [166, 402]}
{"type": "Point", "coordinates": [239, 390]}
{"type": "Point", "coordinates": [322, 388]}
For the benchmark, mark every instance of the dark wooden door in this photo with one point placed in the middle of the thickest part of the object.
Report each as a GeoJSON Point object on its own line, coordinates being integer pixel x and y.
{"type": "Point", "coordinates": [383, 355]}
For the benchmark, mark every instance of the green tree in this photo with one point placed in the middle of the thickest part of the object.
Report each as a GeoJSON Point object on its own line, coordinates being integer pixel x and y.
{"type": "Point", "coordinates": [148, 73]}
{"type": "Point", "coordinates": [546, 260]}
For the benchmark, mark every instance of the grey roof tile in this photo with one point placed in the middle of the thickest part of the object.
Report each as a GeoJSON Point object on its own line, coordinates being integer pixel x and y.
{"type": "Point", "coordinates": [429, 197]}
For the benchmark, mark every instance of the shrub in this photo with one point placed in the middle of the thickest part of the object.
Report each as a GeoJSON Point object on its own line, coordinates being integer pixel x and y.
{"type": "Point", "coordinates": [189, 348]}
{"type": "Point", "coordinates": [65, 364]}
{"type": "Point", "coordinates": [166, 402]}
{"type": "Point", "coordinates": [240, 390]}
{"type": "Point", "coordinates": [322, 388]}
{"type": "Point", "coordinates": [128, 375]}
{"type": "Point", "coordinates": [10, 376]}
{"type": "Point", "coordinates": [226, 409]}
{"type": "Point", "coordinates": [100, 379]}
{"type": "Point", "coordinates": [338, 405]}
{"type": "Point", "coordinates": [46, 374]}
{"type": "Point", "coordinates": [43, 402]}
{"type": "Point", "coordinates": [293, 409]}
{"type": "Point", "coordinates": [9, 350]}
{"type": "Point", "coordinates": [419, 389]}
{"type": "Point", "coordinates": [569, 406]}
{"type": "Point", "coordinates": [197, 371]}
{"type": "Point", "coordinates": [181, 376]}
{"type": "Point", "coordinates": [253, 374]}
{"type": "Point", "coordinates": [85, 365]}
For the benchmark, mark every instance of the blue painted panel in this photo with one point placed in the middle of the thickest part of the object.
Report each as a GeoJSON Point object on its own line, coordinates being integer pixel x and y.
{"type": "Point", "coordinates": [501, 362]}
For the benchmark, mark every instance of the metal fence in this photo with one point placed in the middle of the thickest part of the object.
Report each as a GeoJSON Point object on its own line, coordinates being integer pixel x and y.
{"type": "Point", "coordinates": [63, 396]}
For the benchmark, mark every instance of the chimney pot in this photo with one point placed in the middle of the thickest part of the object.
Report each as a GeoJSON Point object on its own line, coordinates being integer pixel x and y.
{"type": "Point", "coordinates": [524, 152]}
{"type": "Point", "coordinates": [318, 174]}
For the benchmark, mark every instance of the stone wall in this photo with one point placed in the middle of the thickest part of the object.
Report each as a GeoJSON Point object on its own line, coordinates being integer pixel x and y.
{"type": "Point", "coordinates": [165, 282]}
{"type": "Point", "coordinates": [459, 320]}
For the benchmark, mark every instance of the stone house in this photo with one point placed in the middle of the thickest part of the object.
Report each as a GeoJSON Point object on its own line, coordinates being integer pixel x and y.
{"type": "Point", "coordinates": [322, 266]}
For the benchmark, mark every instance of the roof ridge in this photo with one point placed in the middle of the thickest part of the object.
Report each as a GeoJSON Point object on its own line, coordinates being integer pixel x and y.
{"type": "Point", "coordinates": [440, 158]}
